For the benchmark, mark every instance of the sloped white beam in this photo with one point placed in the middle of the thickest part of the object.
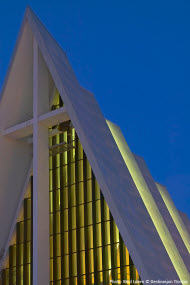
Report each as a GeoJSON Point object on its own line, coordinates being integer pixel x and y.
{"type": "Point", "coordinates": [54, 117]}
{"type": "Point", "coordinates": [19, 131]}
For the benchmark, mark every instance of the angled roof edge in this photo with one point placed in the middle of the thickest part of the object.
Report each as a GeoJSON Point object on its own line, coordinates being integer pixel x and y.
{"type": "Point", "coordinates": [142, 158]}
{"type": "Point", "coordinates": [177, 238]}
{"type": "Point", "coordinates": [106, 161]}
{"type": "Point", "coordinates": [149, 200]}
{"type": "Point", "coordinates": [174, 214]}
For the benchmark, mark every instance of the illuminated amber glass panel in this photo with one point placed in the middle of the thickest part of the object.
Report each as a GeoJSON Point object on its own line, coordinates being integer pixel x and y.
{"type": "Point", "coordinates": [18, 270]}
{"type": "Point", "coordinates": [91, 248]}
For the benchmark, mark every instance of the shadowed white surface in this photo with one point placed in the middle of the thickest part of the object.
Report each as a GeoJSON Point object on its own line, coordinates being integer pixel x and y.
{"type": "Point", "coordinates": [14, 166]}
{"type": "Point", "coordinates": [163, 210]}
{"type": "Point", "coordinates": [186, 220]}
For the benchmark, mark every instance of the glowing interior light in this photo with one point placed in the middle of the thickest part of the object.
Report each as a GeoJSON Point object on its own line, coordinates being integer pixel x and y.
{"type": "Point", "coordinates": [149, 203]}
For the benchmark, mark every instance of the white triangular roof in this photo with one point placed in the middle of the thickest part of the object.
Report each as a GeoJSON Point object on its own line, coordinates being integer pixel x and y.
{"type": "Point", "coordinates": [124, 200]}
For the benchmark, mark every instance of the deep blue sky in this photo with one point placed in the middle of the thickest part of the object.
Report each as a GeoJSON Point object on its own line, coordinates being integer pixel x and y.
{"type": "Point", "coordinates": [135, 57]}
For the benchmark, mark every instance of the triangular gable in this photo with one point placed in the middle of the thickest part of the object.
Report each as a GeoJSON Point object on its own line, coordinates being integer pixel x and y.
{"type": "Point", "coordinates": [119, 190]}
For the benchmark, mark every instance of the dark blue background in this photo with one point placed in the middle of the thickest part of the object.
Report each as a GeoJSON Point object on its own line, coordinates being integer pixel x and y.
{"type": "Point", "coordinates": [135, 57]}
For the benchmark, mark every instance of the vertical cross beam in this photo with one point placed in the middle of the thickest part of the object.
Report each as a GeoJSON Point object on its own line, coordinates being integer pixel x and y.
{"type": "Point", "coordinates": [40, 186]}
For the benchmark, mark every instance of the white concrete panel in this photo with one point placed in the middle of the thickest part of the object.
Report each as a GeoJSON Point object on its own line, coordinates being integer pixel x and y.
{"type": "Point", "coordinates": [43, 86]}
{"type": "Point", "coordinates": [186, 220]}
{"type": "Point", "coordinates": [174, 214]}
{"type": "Point", "coordinates": [19, 213]}
{"type": "Point", "coordinates": [149, 203]}
{"type": "Point", "coordinates": [15, 160]}
{"type": "Point", "coordinates": [163, 210]}
{"type": "Point", "coordinates": [110, 170]}
{"type": "Point", "coordinates": [16, 101]}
